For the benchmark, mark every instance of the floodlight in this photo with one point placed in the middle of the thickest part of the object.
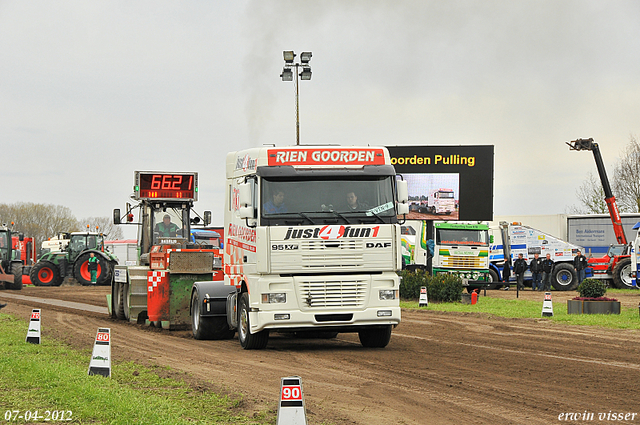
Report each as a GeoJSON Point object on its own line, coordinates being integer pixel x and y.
{"type": "Point", "coordinates": [288, 56]}
{"type": "Point", "coordinates": [305, 57]}
{"type": "Point", "coordinates": [286, 75]}
{"type": "Point", "coordinates": [305, 74]}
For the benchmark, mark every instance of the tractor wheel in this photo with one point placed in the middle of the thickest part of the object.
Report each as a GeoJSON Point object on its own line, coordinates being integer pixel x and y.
{"type": "Point", "coordinates": [208, 327]}
{"type": "Point", "coordinates": [45, 273]}
{"type": "Point", "coordinates": [119, 296]}
{"type": "Point", "coordinates": [248, 340]}
{"type": "Point", "coordinates": [16, 271]}
{"type": "Point", "coordinates": [564, 277]}
{"type": "Point", "coordinates": [375, 337]}
{"type": "Point", "coordinates": [82, 274]}
{"type": "Point", "coordinates": [622, 274]}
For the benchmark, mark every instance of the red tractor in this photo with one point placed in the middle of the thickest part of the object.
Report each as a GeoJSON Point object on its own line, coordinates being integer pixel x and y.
{"type": "Point", "coordinates": [616, 264]}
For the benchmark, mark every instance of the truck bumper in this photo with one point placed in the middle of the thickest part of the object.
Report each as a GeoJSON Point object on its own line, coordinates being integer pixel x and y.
{"type": "Point", "coordinates": [338, 321]}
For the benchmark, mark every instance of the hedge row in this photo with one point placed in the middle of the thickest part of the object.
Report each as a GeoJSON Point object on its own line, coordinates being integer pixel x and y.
{"type": "Point", "coordinates": [441, 287]}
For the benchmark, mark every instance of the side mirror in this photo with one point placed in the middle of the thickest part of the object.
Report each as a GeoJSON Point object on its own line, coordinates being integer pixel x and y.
{"type": "Point", "coordinates": [207, 218]}
{"type": "Point", "coordinates": [403, 191]}
{"type": "Point", "coordinates": [116, 216]}
{"type": "Point", "coordinates": [246, 197]}
{"type": "Point", "coordinates": [246, 210]}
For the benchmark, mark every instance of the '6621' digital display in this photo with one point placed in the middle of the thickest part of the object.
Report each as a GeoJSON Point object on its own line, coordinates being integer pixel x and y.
{"type": "Point", "coordinates": [166, 186]}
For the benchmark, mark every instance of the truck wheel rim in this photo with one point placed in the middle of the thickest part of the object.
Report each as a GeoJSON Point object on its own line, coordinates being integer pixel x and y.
{"type": "Point", "coordinates": [625, 275]}
{"type": "Point", "coordinates": [244, 324]}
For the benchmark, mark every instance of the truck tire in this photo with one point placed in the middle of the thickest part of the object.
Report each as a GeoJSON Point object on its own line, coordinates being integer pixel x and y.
{"type": "Point", "coordinates": [83, 276]}
{"type": "Point", "coordinates": [377, 337]}
{"type": "Point", "coordinates": [45, 273]}
{"type": "Point", "coordinates": [622, 274]}
{"type": "Point", "coordinates": [494, 280]}
{"type": "Point", "coordinates": [207, 327]}
{"type": "Point", "coordinates": [564, 277]}
{"type": "Point", "coordinates": [16, 271]}
{"type": "Point", "coordinates": [249, 341]}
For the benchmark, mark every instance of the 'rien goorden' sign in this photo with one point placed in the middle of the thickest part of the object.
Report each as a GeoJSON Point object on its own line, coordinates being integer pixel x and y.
{"type": "Point", "coordinates": [326, 156]}
{"type": "Point", "coordinates": [437, 173]}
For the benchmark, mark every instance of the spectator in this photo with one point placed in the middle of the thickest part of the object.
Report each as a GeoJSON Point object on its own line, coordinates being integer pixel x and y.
{"type": "Point", "coordinates": [536, 272]}
{"type": "Point", "coordinates": [506, 273]}
{"type": "Point", "coordinates": [519, 267]}
{"type": "Point", "coordinates": [547, 268]}
{"type": "Point", "coordinates": [580, 264]}
{"type": "Point", "coordinates": [93, 267]}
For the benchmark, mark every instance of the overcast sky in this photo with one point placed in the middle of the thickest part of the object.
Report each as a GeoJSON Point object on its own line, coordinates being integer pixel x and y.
{"type": "Point", "coordinates": [92, 90]}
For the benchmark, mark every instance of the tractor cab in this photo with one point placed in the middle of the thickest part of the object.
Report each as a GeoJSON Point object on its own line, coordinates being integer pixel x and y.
{"type": "Point", "coordinates": [5, 244]}
{"type": "Point", "coordinates": [82, 241]}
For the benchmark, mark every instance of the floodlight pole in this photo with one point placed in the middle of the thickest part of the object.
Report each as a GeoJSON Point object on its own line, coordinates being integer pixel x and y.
{"type": "Point", "coordinates": [286, 76]}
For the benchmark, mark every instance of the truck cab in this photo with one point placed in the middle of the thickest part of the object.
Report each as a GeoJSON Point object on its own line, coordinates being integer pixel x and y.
{"type": "Point", "coordinates": [312, 242]}
{"type": "Point", "coordinates": [10, 262]}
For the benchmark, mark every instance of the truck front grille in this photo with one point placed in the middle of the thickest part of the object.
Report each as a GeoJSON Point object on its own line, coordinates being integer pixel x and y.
{"type": "Point", "coordinates": [333, 293]}
{"type": "Point", "coordinates": [464, 262]}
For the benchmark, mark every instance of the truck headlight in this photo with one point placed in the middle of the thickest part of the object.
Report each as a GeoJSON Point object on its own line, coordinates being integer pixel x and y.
{"type": "Point", "coordinates": [476, 275]}
{"type": "Point", "coordinates": [277, 298]}
{"type": "Point", "coordinates": [388, 294]}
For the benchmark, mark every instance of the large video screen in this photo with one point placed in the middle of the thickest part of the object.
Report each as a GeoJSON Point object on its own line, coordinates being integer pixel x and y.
{"type": "Point", "coordinates": [447, 182]}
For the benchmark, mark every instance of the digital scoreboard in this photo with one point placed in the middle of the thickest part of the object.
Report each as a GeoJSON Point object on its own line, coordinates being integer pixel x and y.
{"type": "Point", "coordinates": [162, 186]}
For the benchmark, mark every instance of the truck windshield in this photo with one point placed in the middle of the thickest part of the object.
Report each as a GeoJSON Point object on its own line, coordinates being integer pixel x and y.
{"type": "Point", "coordinates": [328, 200]}
{"type": "Point", "coordinates": [445, 195]}
{"type": "Point", "coordinates": [467, 237]}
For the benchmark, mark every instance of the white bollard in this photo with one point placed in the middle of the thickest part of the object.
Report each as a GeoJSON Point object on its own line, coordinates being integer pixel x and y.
{"type": "Point", "coordinates": [291, 408]}
{"type": "Point", "coordinates": [33, 334]}
{"type": "Point", "coordinates": [100, 363]}
{"type": "Point", "coordinates": [547, 306]}
{"type": "Point", "coordinates": [423, 302]}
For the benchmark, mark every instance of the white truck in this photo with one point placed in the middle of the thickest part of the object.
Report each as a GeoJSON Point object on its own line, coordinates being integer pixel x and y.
{"type": "Point", "coordinates": [458, 248]}
{"type": "Point", "coordinates": [298, 257]}
{"type": "Point", "coordinates": [511, 239]}
{"type": "Point", "coordinates": [441, 201]}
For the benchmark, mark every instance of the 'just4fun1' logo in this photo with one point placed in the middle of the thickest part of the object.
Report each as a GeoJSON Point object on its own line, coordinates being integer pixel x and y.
{"type": "Point", "coordinates": [331, 232]}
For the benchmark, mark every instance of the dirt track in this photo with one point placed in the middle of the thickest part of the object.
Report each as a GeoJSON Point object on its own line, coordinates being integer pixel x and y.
{"type": "Point", "coordinates": [438, 369]}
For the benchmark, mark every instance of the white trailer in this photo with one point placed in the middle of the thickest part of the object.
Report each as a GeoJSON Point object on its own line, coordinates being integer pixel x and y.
{"type": "Point", "coordinates": [511, 239]}
{"type": "Point", "coordinates": [298, 255]}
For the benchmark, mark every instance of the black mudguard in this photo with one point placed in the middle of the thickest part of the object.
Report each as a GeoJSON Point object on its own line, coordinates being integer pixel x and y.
{"type": "Point", "coordinates": [212, 296]}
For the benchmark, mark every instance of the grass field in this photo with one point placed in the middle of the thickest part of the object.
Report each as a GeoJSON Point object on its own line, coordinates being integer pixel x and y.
{"type": "Point", "coordinates": [53, 377]}
{"type": "Point", "coordinates": [514, 308]}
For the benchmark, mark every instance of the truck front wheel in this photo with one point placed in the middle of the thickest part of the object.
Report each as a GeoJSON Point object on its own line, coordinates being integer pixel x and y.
{"type": "Point", "coordinates": [249, 341]}
{"type": "Point", "coordinates": [564, 277]}
{"type": "Point", "coordinates": [622, 274]}
{"type": "Point", "coordinates": [377, 337]}
{"type": "Point", "coordinates": [207, 327]}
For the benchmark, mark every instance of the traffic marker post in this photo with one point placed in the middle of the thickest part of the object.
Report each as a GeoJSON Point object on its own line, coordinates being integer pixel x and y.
{"type": "Point", "coordinates": [291, 408]}
{"type": "Point", "coordinates": [33, 334]}
{"type": "Point", "coordinates": [423, 302]}
{"type": "Point", "coordinates": [547, 306]}
{"type": "Point", "coordinates": [101, 357]}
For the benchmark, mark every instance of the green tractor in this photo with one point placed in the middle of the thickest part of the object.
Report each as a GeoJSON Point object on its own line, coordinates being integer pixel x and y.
{"type": "Point", "coordinates": [53, 267]}
{"type": "Point", "coordinates": [10, 263]}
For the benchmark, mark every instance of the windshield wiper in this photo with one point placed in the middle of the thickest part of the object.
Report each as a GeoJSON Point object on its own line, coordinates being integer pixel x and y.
{"type": "Point", "coordinates": [376, 216]}
{"type": "Point", "coordinates": [342, 216]}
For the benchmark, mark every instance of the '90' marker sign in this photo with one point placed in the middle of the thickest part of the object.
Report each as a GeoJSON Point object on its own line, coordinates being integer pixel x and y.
{"type": "Point", "coordinates": [291, 392]}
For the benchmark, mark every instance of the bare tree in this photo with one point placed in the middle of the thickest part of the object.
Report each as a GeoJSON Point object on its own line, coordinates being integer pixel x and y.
{"type": "Point", "coordinates": [626, 183]}
{"type": "Point", "coordinates": [591, 197]}
{"type": "Point", "coordinates": [40, 221]}
{"type": "Point", "coordinates": [103, 225]}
